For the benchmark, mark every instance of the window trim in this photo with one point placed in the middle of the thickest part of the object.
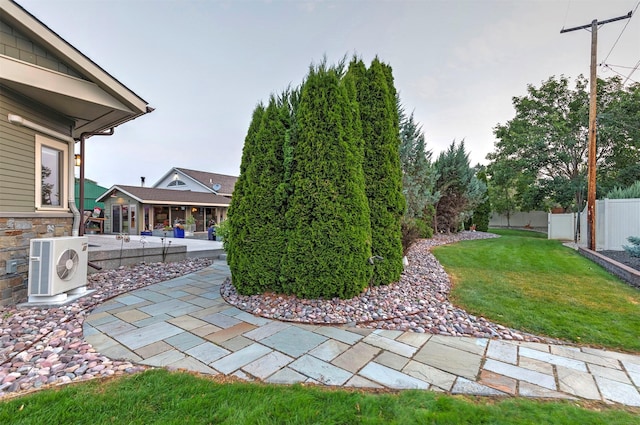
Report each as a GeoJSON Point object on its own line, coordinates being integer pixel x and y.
{"type": "Point", "coordinates": [64, 190]}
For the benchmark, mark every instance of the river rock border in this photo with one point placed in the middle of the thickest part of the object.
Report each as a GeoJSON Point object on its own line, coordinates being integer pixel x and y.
{"type": "Point", "coordinates": [418, 302]}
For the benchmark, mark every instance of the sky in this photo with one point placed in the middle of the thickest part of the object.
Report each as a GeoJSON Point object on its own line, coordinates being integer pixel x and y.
{"type": "Point", "coordinates": [204, 65]}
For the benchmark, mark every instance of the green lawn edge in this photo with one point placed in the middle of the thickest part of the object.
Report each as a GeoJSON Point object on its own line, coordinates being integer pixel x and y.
{"type": "Point", "coordinates": [163, 397]}
{"type": "Point", "coordinates": [524, 281]}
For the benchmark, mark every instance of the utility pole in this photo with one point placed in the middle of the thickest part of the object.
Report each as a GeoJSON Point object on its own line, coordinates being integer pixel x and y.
{"type": "Point", "coordinates": [591, 177]}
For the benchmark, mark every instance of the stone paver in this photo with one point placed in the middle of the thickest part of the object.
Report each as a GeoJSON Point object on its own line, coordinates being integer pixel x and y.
{"type": "Point", "coordinates": [634, 372]}
{"type": "Point", "coordinates": [501, 351]}
{"type": "Point", "coordinates": [320, 371]}
{"type": "Point", "coordinates": [339, 334]}
{"type": "Point", "coordinates": [449, 359]}
{"type": "Point", "coordinates": [553, 359]}
{"type": "Point", "coordinates": [329, 350]}
{"type": "Point", "coordinates": [499, 382]}
{"type": "Point", "coordinates": [577, 383]}
{"type": "Point", "coordinates": [235, 361]}
{"type": "Point", "coordinates": [617, 391]}
{"type": "Point", "coordinates": [267, 365]}
{"type": "Point", "coordinates": [207, 352]}
{"type": "Point", "coordinates": [184, 323]}
{"type": "Point", "coordinates": [388, 344]}
{"type": "Point", "coordinates": [356, 357]}
{"type": "Point", "coordinates": [520, 373]}
{"type": "Point", "coordinates": [140, 337]}
{"type": "Point", "coordinates": [286, 376]}
{"type": "Point", "coordinates": [433, 376]}
{"type": "Point", "coordinates": [391, 378]}
{"type": "Point", "coordinates": [465, 386]}
{"type": "Point", "coordinates": [294, 341]}
{"type": "Point", "coordinates": [392, 360]}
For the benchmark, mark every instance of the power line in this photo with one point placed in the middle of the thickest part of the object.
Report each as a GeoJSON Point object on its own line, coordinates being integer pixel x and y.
{"type": "Point", "coordinates": [619, 66]}
{"type": "Point", "coordinates": [620, 74]}
{"type": "Point", "coordinates": [621, 32]}
{"type": "Point", "coordinates": [635, 68]}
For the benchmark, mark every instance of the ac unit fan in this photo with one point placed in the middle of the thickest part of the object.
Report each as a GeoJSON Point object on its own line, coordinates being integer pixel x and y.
{"type": "Point", "coordinates": [67, 264]}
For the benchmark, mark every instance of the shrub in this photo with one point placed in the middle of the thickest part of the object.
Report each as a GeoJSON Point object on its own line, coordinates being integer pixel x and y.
{"type": "Point", "coordinates": [634, 248]}
{"type": "Point", "coordinates": [222, 230]}
{"type": "Point", "coordinates": [379, 115]}
{"type": "Point", "coordinates": [424, 229]}
{"type": "Point", "coordinates": [630, 192]}
{"type": "Point", "coordinates": [410, 233]}
{"type": "Point", "coordinates": [327, 216]}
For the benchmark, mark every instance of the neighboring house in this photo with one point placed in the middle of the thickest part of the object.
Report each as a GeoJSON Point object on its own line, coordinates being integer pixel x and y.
{"type": "Point", "coordinates": [51, 97]}
{"type": "Point", "coordinates": [178, 195]}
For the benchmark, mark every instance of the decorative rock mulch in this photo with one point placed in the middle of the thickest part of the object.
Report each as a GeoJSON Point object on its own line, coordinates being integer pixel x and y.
{"type": "Point", "coordinates": [45, 346]}
{"type": "Point", "coordinates": [418, 302]}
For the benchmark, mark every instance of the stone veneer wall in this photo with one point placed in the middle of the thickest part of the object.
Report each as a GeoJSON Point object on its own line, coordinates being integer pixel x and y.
{"type": "Point", "coordinates": [15, 234]}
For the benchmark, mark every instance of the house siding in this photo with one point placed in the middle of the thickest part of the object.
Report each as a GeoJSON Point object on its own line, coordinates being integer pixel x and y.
{"type": "Point", "coordinates": [17, 144]}
{"type": "Point", "coordinates": [19, 223]}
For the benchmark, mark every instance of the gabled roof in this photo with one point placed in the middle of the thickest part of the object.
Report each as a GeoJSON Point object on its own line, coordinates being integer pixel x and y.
{"type": "Point", "coordinates": [90, 96]}
{"type": "Point", "coordinates": [206, 180]}
{"type": "Point", "coordinates": [151, 195]}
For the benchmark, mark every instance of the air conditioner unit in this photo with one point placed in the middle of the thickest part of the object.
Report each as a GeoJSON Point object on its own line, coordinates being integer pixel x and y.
{"type": "Point", "coordinates": [57, 268]}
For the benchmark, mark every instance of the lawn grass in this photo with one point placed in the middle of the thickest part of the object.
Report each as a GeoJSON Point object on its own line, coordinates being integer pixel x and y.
{"type": "Point", "coordinates": [162, 397]}
{"type": "Point", "coordinates": [524, 281]}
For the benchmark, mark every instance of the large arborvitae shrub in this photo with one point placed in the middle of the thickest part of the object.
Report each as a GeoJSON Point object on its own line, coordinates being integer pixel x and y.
{"type": "Point", "coordinates": [236, 245]}
{"type": "Point", "coordinates": [317, 188]}
{"type": "Point", "coordinates": [328, 243]}
{"type": "Point", "coordinates": [263, 234]}
{"type": "Point", "coordinates": [383, 174]}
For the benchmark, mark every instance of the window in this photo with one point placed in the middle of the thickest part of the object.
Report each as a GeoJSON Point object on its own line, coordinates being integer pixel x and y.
{"type": "Point", "coordinates": [176, 183]}
{"type": "Point", "coordinates": [51, 163]}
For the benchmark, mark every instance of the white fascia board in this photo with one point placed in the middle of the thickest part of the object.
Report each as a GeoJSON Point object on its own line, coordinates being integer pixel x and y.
{"type": "Point", "coordinates": [30, 75]}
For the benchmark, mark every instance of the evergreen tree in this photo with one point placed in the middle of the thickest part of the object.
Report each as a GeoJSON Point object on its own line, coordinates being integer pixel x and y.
{"type": "Point", "coordinates": [418, 174]}
{"type": "Point", "coordinates": [264, 238]}
{"type": "Point", "coordinates": [383, 175]}
{"type": "Point", "coordinates": [328, 224]}
{"type": "Point", "coordinates": [482, 213]}
{"type": "Point", "coordinates": [460, 190]}
{"type": "Point", "coordinates": [238, 242]}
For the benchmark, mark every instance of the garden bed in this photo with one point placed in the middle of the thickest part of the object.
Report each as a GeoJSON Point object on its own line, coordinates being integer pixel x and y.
{"type": "Point", "coordinates": [618, 263]}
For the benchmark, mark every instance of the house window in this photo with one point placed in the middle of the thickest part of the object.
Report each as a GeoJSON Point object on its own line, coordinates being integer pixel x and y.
{"type": "Point", "coordinates": [176, 183]}
{"type": "Point", "coordinates": [51, 164]}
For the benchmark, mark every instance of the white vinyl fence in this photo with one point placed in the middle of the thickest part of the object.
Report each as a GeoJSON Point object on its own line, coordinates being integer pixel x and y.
{"type": "Point", "coordinates": [562, 226]}
{"type": "Point", "coordinates": [616, 220]}
{"type": "Point", "coordinates": [533, 219]}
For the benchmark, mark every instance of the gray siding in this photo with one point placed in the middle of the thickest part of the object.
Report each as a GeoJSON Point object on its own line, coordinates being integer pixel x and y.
{"type": "Point", "coordinates": [17, 150]}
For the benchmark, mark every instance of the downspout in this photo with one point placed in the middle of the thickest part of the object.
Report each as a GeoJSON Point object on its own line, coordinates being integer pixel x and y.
{"type": "Point", "coordinates": [72, 189]}
{"type": "Point", "coordinates": [83, 137]}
